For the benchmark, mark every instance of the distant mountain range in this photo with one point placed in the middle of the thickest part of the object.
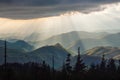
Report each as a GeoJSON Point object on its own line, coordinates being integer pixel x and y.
{"type": "Point", "coordinates": [67, 38]}
{"type": "Point", "coordinates": [45, 53]}
{"type": "Point", "coordinates": [109, 52]}
{"type": "Point", "coordinates": [86, 40]}
{"type": "Point", "coordinates": [59, 53]}
{"type": "Point", "coordinates": [93, 45]}
{"type": "Point", "coordinates": [15, 50]}
{"type": "Point", "coordinates": [19, 44]}
{"type": "Point", "coordinates": [72, 40]}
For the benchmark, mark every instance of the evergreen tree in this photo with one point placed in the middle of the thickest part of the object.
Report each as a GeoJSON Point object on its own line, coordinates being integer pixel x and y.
{"type": "Point", "coordinates": [45, 71]}
{"type": "Point", "coordinates": [103, 63]}
{"type": "Point", "coordinates": [63, 73]}
{"type": "Point", "coordinates": [111, 65]}
{"type": "Point", "coordinates": [118, 67]}
{"type": "Point", "coordinates": [5, 55]}
{"type": "Point", "coordinates": [68, 66]}
{"type": "Point", "coordinates": [79, 66]}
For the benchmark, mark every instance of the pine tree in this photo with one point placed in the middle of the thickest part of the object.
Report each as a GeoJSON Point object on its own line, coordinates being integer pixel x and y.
{"type": "Point", "coordinates": [45, 71]}
{"type": "Point", "coordinates": [118, 67]}
{"type": "Point", "coordinates": [53, 70]}
{"type": "Point", "coordinates": [79, 66]}
{"type": "Point", "coordinates": [103, 63]}
{"type": "Point", "coordinates": [5, 56]}
{"type": "Point", "coordinates": [111, 65]}
{"type": "Point", "coordinates": [64, 72]}
{"type": "Point", "coordinates": [68, 66]}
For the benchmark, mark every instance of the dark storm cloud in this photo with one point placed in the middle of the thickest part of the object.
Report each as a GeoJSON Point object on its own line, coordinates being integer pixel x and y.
{"type": "Point", "coordinates": [53, 2]}
{"type": "Point", "coordinates": [26, 9]}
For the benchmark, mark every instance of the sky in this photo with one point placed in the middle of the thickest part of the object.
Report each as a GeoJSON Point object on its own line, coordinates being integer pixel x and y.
{"type": "Point", "coordinates": [23, 18]}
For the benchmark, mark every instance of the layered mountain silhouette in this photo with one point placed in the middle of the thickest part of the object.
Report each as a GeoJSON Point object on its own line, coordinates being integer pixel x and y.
{"type": "Point", "coordinates": [15, 51]}
{"type": "Point", "coordinates": [86, 40]}
{"type": "Point", "coordinates": [88, 44]}
{"type": "Point", "coordinates": [109, 52]}
{"type": "Point", "coordinates": [67, 38]}
{"type": "Point", "coordinates": [46, 53]}
{"type": "Point", "coordinates": [19, 44]}
{"type": "Point", "coordinates": [93, 46]}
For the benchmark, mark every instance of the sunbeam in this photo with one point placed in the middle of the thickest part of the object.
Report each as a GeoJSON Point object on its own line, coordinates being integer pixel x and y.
{"type": "Point", "coordinates": [42, 28]}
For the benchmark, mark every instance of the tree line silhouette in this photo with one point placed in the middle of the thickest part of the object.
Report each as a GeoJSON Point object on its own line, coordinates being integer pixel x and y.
{"type": "Point", "coordinates": [107, 69]}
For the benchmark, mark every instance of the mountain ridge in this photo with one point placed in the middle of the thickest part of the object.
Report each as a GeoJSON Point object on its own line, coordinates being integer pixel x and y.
{"type": "Point", "coordinates": [108, 51]}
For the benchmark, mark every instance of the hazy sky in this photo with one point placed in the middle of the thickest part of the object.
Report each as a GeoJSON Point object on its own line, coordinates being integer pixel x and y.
{"type": "Point", "coordinates": [50, 17]}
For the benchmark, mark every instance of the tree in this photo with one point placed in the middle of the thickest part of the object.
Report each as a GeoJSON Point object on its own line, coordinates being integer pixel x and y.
{"type": "Point", "coordinates": [118, 67]}
{"type": "Point", "coordinates": [111, 65]}
{"type": "Point", "coordinates": [79, 66]}
{"type": "Point", "coordinates": [68, 66]}
{"type": "Point", "coordinates": [45, 71]}
{"type": "Point", "coordinates": [103, 63]}
{"type": "Point", "coordinates": [5, 56]}
{"type": "Point", "coordinates": [63, 75]}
